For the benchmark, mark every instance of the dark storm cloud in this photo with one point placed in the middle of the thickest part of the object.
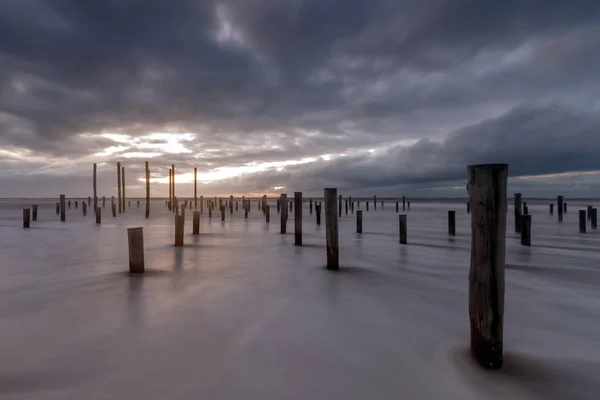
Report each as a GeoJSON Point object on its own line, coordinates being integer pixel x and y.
{"type": "Point", "coordinates": [272, 80]}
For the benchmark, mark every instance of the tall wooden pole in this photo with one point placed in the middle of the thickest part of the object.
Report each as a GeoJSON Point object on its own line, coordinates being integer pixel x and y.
{"type": "Point", "coordinates": [95, 194]}
{"type": "Point", "coordinates": [123, 185]}
{"type": "Point", "coordinates": [170, 191]}
{"type": "Point", "coordinates": [119, 185]}
{"type": "Point", "coordinates": [487, 195]}
{"type": "Point", "coordinates": [147, 190]}
{"type": "Point", "coordinates": [331, 229]}
{"type": "Point", "coordinates": [195, 188]}
{"type": "Point", "coordinates": [173, 184]}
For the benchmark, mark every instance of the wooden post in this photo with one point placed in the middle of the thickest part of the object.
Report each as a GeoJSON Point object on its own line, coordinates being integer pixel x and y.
{"type": "Point", "coordinates": [525, 210]}
{"type": "Point", "coordinates": [367, 203]}
{"type": "Point", "coordinates": [487, 195]}
{"type": "Point", "coordinates": [183, 209]}
{"type": "Point", "coordinates": [468, 208]}
{"type": "Point", "coordinates": [245, 212]}
{"type": "Point", "coordinates": [57, 208]}
{"type": "Point", "coordinates": [551, 209]}
{"type": "Point", "coordinates": [283, 213]}
{"type": "Point", "coordinates": [123, 186]}
{"type": "Point", "coordinates": [526, 230]}
{"type": "Point", "coordinates": [565, 207]}
{"type": "Point", "coordinates": [268, 214]}
{"type": "Point", "coordinates": [279, 205]}
{"type": "Point", "coordinates": [34, 212]}
{"type": "Point", "coordinates": [298, 218]}
{"type": "Point", "coordinates": [95, 193]}
{"type": "Point", "coordinates": [403, 228]}
{"type": "Point", "coordinates": [517, 212]}
{"type": "Point", "coordinates": [359, 221]}
{"type": "Point", "coordinates": [230, 204]}
{"type": "Point", "coordinates": [318, 212]}
{"type": "Point", "coordinates": [594, 218]}
{"type": "Point", "coordinates": [89, 200]}
{"type": "Point", "coordinates": [310, 206]}
{"type": "Point", "coordinates": [582, 221]}
{"type": "Point", "coordinates": [196, 223]}
{"type": "Point", "coordinates": [179, 224]}
{"type": "Point", "coordinates": [291, 205]}
{"type": "Point", "coordinates": [26, 215]}
{"type": "Point", "coordinates": [84, 208]}
{"type": "Point", "coordinates": [374, 203]}
{"type": "Point", "coordinates": [98, 215]}
{"type": "Point", "coordinates": [222, 212]}
{"type": "Point", "coordinates": [170, 190]}
{"type": "Point", "coordinates": [103, 201]}
{"type": "Point", "coordinates": [135, 238]}
{"type": "Point", "coordinates": [331, 229]}
{"type": "Point", "coordinates": [201, 205]}
{"type": "Point", "coordinates": [62, 208]}
{"type": "Point", "coordinates": [339, 206]}
{"type": "Point", "coordinates": [397, 209]}
{"type": "Point", "coordinates": [114, 210]}
{"type": "Point", "coordinates": [451, 222]}
{"type": "Point", "coordinates": [69, 203]}
{"type": "Point", "coordinates": [560, 208]}
{"type": "Point", "coordinates": [147, 211]}
{"type": "Point", "coordinates": [119, 185]}
{"type": "Point", "coordinates": [346, 206]}
{"type": "Point", "coordinates": [173, 184]}
{"type": "Point", "coordinates": [75, 203]}
{"type": "Point", "coordinates": [589, 212]}
{"type": "Point", "coordinates": [236, 206]}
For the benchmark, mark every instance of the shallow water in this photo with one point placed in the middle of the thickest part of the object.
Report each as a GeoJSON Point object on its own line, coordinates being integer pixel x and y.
{"type": "Point", "coordinates": [240, 312]}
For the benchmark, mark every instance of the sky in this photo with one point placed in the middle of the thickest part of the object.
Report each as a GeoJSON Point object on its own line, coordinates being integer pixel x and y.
{"type": "Point", "coordinates": [386, 97]}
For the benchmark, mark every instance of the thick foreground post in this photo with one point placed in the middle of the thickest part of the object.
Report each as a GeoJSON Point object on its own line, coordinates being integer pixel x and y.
{"type": "Point", "coordinates": [359, 221]}
{"type": "Point", "coordinates": [331, 229]}
{"type": "Point", "coordinates": [487, 195]}
{"type": "Point", "coordinates": [34, 212]}
{"type": "Point", "coordinates": [179, 224]}
{"type": "Point", "coordinates": [560, 208]}
{"type": "Point", "coordinates": [517, 212]}
{"type": "Point", "coordinates": [98, 215]}
{"type": "Point", "coordinates": [452, 223]}
{"type": "Point", "coordinates": [62, 208]}
{"type": "Point", "coordinates": [135, 237]}
{"type": "Point", "coordinates": [582, 221]}
{"type": "Point", "coordinates": [283, 213]}
{"type": "Point", "coordinates": [526, 230]}
{"type": "Point", "coordinates": [403, 228]}
{"type": "Point", "coordinates": [196, 223]}
{"type": "Point", "coordinates": [26, 219]}
{"type": "Point", "coordinates": [298, 218]}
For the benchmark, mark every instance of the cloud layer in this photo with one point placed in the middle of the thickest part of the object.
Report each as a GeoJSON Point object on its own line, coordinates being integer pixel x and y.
{"type": "Point", "coordinates": [384, 95]}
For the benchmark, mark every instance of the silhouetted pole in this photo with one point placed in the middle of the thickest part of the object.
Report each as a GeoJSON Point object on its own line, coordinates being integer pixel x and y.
{"type": "Point", "coordinates": [298, 218]}
{"type": "Point", "coordinates": [114, 210]}
{"type": "Point", "coordinates": [452, 223]}
{"type": "Point", "coordinates": [268, 213]}
{"type": "Point", "coordinates": [135, 238]}
{"type": "Point", "coordinates": [95, 193]}
{"type": "Point", "coordinates": [560, 208]}
{"type": "Point", "coordinates": [594, 218]}
{"type": "Point", "coordinates": [517, 212]}
{"type": "Point", "coordinates": [84, 208]}
{"type": "Point", "coordinates": [103, 201]}
{"type": "Point", "coordinates": [525, 210]}
{"type": "Point", "coordinates": [589, 212]}
{"type": "Point", "coordinates": [34, 212]}
{"type": "Point", "coordinates": [487, 195]}
{"type": "Point", "coordinates": [468, 208]}
{"type": "Point", "coordinates": [551, 209]}
{"type": "Point", "coordinates": [374, 203]}
{"type": "Point", "coordinates": [57, 208]}
{"type": "Point", "coordinates": [170, 190]}
{"type": "Point", "coordinates": [123, 185]}
{"type": "Point", "coordinates": [173, 184]}
{"type": "Point", "coordinates": [397, 209]}
{"type": "Point", "coordinates": [196, 223]}
{"type": "Point", "coordinates": [201, 205]}
{"type": "Point", "coordinates": [310, 206]}
{"type": "Point", "coordinates": [179, 224]}
{"type": "Point", "coordinates": [526, 230]}
{"type": "Point", "coordinates": [98, 215]}
{"type": "Point", "coordinates": [331, 229]}
{"type": "Point", "coordinates": [403, 203]}
{"type": "Point", "coordinates": [119, 185]}
{"type": "Point", "coordinates": [565, 207]}
{"type": "Point", "coordinates": [62, 208]}
{"type": "Point", "coordinates": [403, 228]}
{"type": "Point", "coordinates": [346, 206]}
{"type": "Point", "coordinates": [367, 204]}
{"type": "Point", "coordinates": [147, 211]}
{"type": "Point", "coordinates": [339, 206]}
{"type": "Point", "coordinates": [582, 221]}
{"type": "Point", "coordinates": [359, 221]}
{"type": "Point", "coordinates": [318, 212]}
{"type": "Point", "coordinates": [283, 213]}
{"type": "Point", "coordinates": [26, 215]}
{"type": "Point", "coordinates": [230, 204]}
{"type": "Point", "coordinates": [222, 212]}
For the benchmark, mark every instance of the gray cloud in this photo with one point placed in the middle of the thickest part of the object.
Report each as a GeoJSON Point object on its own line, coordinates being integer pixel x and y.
{"type": "Point", "coordinates": [272, 80]}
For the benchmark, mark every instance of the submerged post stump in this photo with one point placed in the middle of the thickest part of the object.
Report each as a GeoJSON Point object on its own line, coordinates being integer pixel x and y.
{"type": "Point", "coordinates": [135, 238]}
{"type": "Point", "coordinates": [196, 223]}
{"type": "Point", "coordinates": [359, 221]}
{"type": "Point", "coordinates": [331, 229]}
{"type": "Point", "coordinates": [487, 196]}
{"type": "Point", "coordinates": [62, 208]}
{"type": "Point", "coordinates": [560, 208]}
{"type": "Point", "coordinates": [452, 223]}
{"type": "Point", "coordinates": [34, 212]}
{"type": "Point", "coordinates": [582, 221]}
{"type": "Point", "coordinates": [98, 215]}
{"type": "Point", "coordinates": [26, 215]}
{"type": "Point", "coordinates": [526, 230]}
{"type": "Point", "coordinates": [403, 228]}
{"type": "Point", "coordinates": [298, 218]}
{"type": "Point", "coordinates": [179, 224]}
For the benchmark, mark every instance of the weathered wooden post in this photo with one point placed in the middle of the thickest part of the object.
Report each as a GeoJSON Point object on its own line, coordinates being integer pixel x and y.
{"type": "Point", "coordinates": [374, 203]}
{"type": "Point", "coordinates": [589, 212]}
{"type": "Point", "coordinates": [367, 203]}
{"type": "Point", "coordinates": [26, 215]}
{"type": "Point", "coordinates": [123, 186]}
{"type": "Point", "coordinates": [403, 228]}
{"type": "Point", "coordinates": [95, 193]}
{"type": "Point", "coordinates": [525, 210]}
{"type": "Point", "coordinates": [451, 222]}
{"type": "Point", "coordinates": [291, 206]}
{"type": "Point", "coordinates": [89, 200]}
{"type": "Point", "coordinates": [196, 223]}
{"type": "Point", "coordinates": [103, 201]}
{"type": "Point", "coordinates": [34, 212]}
{"type": "Point", "coordinates": [468, 208]}
{"type": "Point", "coordinates": [318, 212]}
{"type": "Point", "coordinates": [98, 215]}
{"type": "Point", "coordinates": [560, 208]}
{"type": "Point", "coordinates": [278, 205]}
{"type": "Point", "coordinates": [268, 213]}
{"type": "Point", "coordinates": [62, 208]}
{"type": "Point", "coordinates": [210, 211]}
{"type": "Point", "coordinates": [397, 209]}
{"type": "Point", "coordinates": [298, 218]}
{"type": "Point", "coordinates": [202, 205]}
{"type": "Point", "coordinates": [339, 206]}
{"type": "Point", "coordinates": [582, 221]}
{"type": "Point", "coordinates": [183, 208]}
{"type": "Point", "coordinates": [179, 224]}
{"type": "Point", "coordinates": [230, 204]}
{"type": "Point", "coordinates": [346, 206]}
{"type": "Point", "coordinates": [358, 203]}
{"type": "Point", "coordinates": [222, 212]}
{"type": "Point", "coordinates": [119, 185]}
{"type": "Point", "coordinates": [526, 230]}
{"type": "Point", "coordinates": [594, 218]}
{"type": "Point", "coordinates": [236, 206]}
{"type": "Point", "coordinates": [352, 207]}
{"type": "Point", "coordinates": [551, 209]}
{"type": "Point", "coordinates": [114, 210]}
{"type": "Point", "coordinates": [565, 207]}
{"type": "Point", "coordinates": [245, 212]}
{"type": "Point", "coordinates": [84, 208]}
{"type": "Point", "coordinates": [487, 195]}
{"type": "Point", "coordinates": [170, 189]}
{"type": "Point", "coordinates": [331, 229]}
{"type": "Point", "coordinates": [69, 203]}
{"type": "Point", "coordinates": [517, 212]}
{"type": "Point", "coordinates": [310, 206]}
{"type": "Point", "coordinates": [359, 221]}
{"type": "Point", "coordinates": [147, 211]}
{"type": "Point", "coordinates": [403, 203]}
{"type": "Point", "coordinates": [173, 184]}
{"type": "Point", "coordinates": [135, 238]}
{"type": "Point", "coordinates": [75, 203]}
{"type": "Point", "coordinates": [283, 213]}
